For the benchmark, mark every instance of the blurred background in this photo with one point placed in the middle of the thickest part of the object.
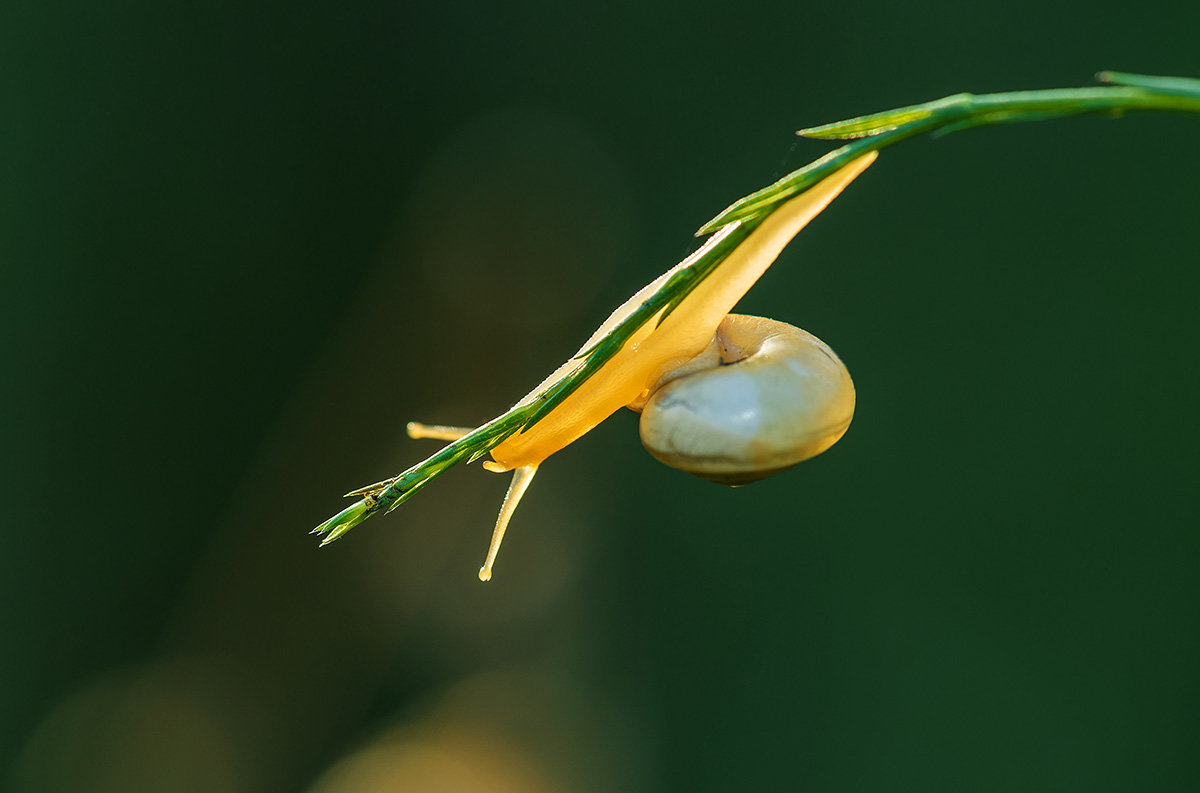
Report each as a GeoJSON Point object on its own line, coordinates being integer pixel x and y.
{"type": "Point", "coordinates": [242, 244]}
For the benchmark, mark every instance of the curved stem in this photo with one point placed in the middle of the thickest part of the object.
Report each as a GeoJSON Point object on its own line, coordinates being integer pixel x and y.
{"type": "Point", "coordinates": [1128, 93]}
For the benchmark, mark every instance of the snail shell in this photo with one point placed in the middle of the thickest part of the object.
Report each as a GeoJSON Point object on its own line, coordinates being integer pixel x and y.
{"type": "Point", "coordinates": [762, 397]}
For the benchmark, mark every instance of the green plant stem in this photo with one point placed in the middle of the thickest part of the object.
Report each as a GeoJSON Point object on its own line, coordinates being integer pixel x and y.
{"type": "Point", "coordinates": [959, 112]}
{"type": "Point", "coordinates": [867, 133]}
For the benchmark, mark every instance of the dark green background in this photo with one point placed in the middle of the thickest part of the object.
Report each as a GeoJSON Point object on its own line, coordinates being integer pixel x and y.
{"type": "Point", "coordinates": [242, 244]}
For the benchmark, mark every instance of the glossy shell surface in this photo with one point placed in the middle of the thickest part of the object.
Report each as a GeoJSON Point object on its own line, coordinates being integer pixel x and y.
{"type": "Point", "coordinates": [777, 396]}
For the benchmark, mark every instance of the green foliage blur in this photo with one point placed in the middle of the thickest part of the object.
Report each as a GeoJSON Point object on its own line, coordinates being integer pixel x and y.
{"type": "Point", "coordinates": [242, 244]}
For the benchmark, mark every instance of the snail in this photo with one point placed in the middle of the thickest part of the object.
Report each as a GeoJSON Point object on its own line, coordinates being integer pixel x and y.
{"type": "Point", "coordinates": [727, 397]}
